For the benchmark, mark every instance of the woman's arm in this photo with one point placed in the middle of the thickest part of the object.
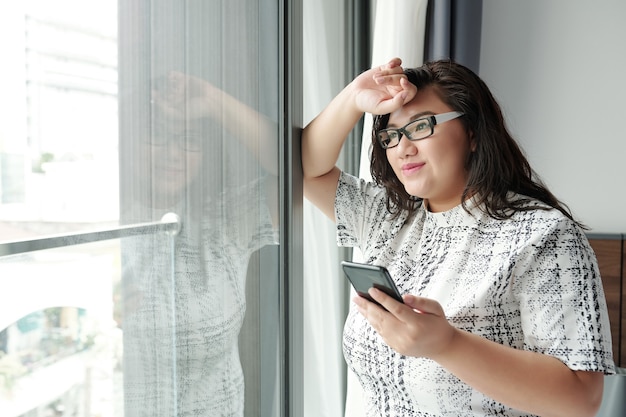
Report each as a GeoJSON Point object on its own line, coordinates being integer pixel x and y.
{"type": "Point", "coordinates": [529, 381]}
{"type": "Point", "coordinates": [322, 140]}
{"type": "Point", "coordinates": [186, 97]}
{"type": "Point", "coordinates": [524, 380]}
{"type": "Point", "coordinates": [379, 90]}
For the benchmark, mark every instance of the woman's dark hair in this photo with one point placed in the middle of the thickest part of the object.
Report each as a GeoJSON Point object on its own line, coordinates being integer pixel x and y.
{"type": "Point", "coordinates": [496, 168]}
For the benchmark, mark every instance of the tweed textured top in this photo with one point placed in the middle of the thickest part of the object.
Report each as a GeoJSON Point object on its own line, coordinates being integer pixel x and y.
{"type": "Point", "coordinates": [530, 282]}
{"type": "Point", "coordinates": [184, 308]}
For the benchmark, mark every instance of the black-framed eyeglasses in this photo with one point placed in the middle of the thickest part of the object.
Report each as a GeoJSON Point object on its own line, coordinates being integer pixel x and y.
{"type": "Point", "coordinates": [414, 130]}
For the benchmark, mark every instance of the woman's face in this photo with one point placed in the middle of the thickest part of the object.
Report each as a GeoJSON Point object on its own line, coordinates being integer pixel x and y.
{"type": "Point", "coordinates": [174, 151]}
{"type": "Point", "coordinates": [433, 168]}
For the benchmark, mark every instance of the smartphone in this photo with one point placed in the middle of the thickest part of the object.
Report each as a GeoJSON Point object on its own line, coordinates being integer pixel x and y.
{"type": "Point", "coordinates": [365, 276]}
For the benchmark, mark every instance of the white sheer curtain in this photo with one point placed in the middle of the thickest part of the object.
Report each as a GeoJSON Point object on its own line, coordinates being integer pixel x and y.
{"type": "Point", "coordinates": [325, 295]}
{"type": "Point", "coordinates": [399, 31]}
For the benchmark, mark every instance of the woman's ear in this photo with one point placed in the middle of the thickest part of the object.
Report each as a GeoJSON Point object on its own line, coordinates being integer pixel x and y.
{"type": "Point", "coordinates": [472, 141]}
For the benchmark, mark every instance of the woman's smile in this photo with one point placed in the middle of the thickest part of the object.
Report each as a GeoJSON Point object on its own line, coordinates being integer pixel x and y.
{"type": "Point", "coordinates": [412, 168]}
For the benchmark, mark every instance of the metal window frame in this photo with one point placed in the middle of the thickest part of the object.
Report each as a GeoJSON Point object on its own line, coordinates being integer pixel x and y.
{"type": "Point", "coordinates": [291, 258]}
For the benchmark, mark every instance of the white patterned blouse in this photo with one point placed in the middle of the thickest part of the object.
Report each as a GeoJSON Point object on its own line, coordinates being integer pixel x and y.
{"type": "Point", "coordinates": [530, 282]}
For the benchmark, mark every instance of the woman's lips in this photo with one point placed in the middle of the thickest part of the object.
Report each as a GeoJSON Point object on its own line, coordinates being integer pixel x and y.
{"type": "Point", "coordinates": [411, 168]}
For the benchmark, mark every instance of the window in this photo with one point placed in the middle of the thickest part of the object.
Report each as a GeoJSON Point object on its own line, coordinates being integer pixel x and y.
{"type": "Point", "coordinates": [142, 208]}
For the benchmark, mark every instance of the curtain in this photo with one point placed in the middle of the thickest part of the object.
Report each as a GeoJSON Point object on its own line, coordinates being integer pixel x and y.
{"type": "Point", "coordinates": [198, 106]}
{"type": "Point", "coordinates": [324, 288]}
{"type": "Point", "coordinates": [453, 31]}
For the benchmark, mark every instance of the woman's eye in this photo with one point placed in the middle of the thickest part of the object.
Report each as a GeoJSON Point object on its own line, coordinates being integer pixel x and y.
{"type": "Point", "coordinates": [421, 126]}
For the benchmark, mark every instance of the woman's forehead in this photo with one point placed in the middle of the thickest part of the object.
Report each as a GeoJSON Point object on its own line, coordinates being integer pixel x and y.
{"type": "Point", "coordinates": [426, 102]}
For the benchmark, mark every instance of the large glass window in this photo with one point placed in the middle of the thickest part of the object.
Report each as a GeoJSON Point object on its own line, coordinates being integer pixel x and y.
{"type": "Point", "coordinates": [120, 118]}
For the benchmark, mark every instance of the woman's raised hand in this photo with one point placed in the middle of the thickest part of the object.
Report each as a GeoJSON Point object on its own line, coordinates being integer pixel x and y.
{"type": "Point", "coordinates": [183, 96]}
{"type": "Point", "coordinates": [383, 89]}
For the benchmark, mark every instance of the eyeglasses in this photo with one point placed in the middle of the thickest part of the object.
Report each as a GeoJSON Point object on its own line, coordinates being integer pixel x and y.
{"type": "Point", "coordinates": [188, 141]}
{"type": "Point", "coordinates": [414, 130]}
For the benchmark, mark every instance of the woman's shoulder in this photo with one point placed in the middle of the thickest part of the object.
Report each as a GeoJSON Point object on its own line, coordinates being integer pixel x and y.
{"type": "Point", "coordinates": [352, 189]}
{"type": "Point", "coordinates": [533, 217]}
{"type": "Point", "coordinates": [350, 180]}
{"type": "Point", "coordinates": [535, 209]}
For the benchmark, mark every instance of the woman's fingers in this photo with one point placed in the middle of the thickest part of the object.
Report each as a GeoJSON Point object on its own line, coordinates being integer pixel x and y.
{"type": "Point", "coordinates": [416, 328]}
{"type": "Point", "coordinates": [423, 305]}
{"type": "Point", "coordinates": [389, 79]}
{"type": "Point", "coordinates": [391, 65]}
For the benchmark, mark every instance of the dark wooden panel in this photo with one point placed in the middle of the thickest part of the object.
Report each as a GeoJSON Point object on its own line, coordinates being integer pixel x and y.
{"type": "Point", "coordinates": [622, 362]}
{"type": "Point", "coordinates": [609, 255]}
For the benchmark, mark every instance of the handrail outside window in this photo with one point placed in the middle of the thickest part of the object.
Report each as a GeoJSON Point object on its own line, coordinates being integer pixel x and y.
{"type": "Point", "coordinates": [170, 223]}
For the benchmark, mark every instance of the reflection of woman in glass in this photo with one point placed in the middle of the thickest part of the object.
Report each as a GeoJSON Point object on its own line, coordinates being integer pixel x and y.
{"type": "Point", "coordinates": [185, 305]}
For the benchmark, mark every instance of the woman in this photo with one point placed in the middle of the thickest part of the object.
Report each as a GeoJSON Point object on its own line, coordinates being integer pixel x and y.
{"type": "Point", "coordinates": [504, 312]}
{"type": "Point", "coordinates": [185, 302]}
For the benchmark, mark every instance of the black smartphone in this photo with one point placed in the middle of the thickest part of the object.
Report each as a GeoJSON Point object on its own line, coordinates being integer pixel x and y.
{"type": "Point", "coordinates": [365, 276]}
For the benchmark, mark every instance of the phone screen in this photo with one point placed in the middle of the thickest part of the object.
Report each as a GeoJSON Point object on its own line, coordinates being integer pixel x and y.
{"type": "Point", "coordinates": [365, 276]}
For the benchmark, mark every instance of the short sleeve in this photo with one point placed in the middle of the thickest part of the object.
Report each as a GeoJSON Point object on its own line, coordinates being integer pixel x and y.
{"type": "Point", "coordinates": [359, 210]}
{"type": "Point", "coordinates": [249, 225]}
{"type": "Point", "coordinates": [562, 304]}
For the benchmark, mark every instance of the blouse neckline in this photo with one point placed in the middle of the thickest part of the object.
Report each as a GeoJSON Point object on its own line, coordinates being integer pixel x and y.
{"type": "Point", "coordinates": [456, 216]}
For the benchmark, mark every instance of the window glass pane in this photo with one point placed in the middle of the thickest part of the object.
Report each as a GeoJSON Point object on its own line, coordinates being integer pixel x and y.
{"type": "Point", "coordinates": [58, 139]}
{"type": "Point", "coordinates": [120, 114]}
{"type": "Point", "coordinates": [198, 106]}
{"type": "Point", "coordinates": [61, 338]}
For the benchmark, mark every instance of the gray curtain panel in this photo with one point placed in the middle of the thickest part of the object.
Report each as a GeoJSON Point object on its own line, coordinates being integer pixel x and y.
{"type": "Point", "coordinates": [453, 29]}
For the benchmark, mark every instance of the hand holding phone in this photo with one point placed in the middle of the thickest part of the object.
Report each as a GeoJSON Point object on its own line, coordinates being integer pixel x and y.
{"type": "Point", "coordinates": [365, 276]}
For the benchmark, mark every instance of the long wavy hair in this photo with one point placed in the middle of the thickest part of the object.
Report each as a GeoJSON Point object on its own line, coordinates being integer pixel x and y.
{"type": "Point", "coordinates": [496, 169]}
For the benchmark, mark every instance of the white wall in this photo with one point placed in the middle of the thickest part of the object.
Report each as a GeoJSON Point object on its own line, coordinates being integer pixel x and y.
{"type": "Point", "coordinates": [558, 68]}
